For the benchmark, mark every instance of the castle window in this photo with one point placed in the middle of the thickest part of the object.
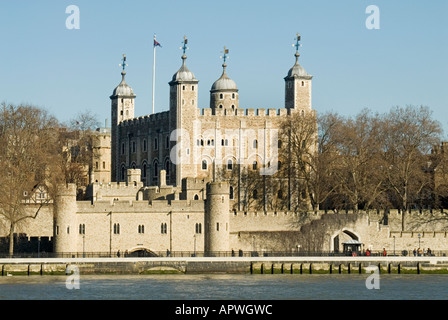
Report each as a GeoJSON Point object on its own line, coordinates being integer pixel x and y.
{"type": "Point", "coordinates": [192, 88]}
{"type": "Point", "coordinates": [220, 106]}
{"type": "Point", "coordinates": [204, 164]}
{"type": "Point", "coordinates": [231, 193]}
{"type": "Point", "coordinates": [156, 144]}
{"type": "Point", "coordinates": [196, 197]}
{"type": "Point", "coordinates": [167, 142]}
{"type": "Point", "coordinates": [229, 165]}
{"type": "Point", "coordinates": [233, 96]}
{"type": "Point", "coordinates": [279, 144]}
{"type": "Point", "coordinates": [133, 147]}
{"type": "Point", "coordinates": [163, 228]}
{"type": "Point", "coordinates": [303, 83]}
{"type": "Point", "coordinates": [144, 169]}
{"type": "Point", "coordinates": [156, 169]}
{"type": "Point", "coordinates": [255, 144]}
{"type": "Point", "coordinates": [116, 228]}
{"type": "Point", "coordinates": [217, 226]}
{"type": "Point", "coordinates": [82, 229]}
{"type": "Point", "coordinates": [123, 170]}
{"type": "Point", "coordinates": [122, 148]}
{"type": "Point", "coordinates": [198, 228]}
{"type": "Point", "coordinates": [141, 229]}
{"type": "Point", "coordinates": [104, 164]}
{"type": "Point", "coordinates": [96, 165]}
{"type": "Point", "coordinates": [221, 97]}
{"type": "Point", "coordinates": [254, 165]}
{"type": "Point", "coordinates": [145, 145]}
{"type": "Point", "coordinates": [183, 88]}
{"type": "Point", "coordinates": [280, 194]}
{"type": "Point", "coordinates": [167, 167]}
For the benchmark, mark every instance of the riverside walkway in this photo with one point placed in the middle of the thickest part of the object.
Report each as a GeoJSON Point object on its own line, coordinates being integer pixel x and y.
{"type": "Point", "coordinates": [245, 265]}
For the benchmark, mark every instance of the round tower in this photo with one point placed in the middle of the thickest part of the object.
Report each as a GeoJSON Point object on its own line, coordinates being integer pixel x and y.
{"type": "Point", "coordinates": [224, 92]}
{"type": "Point", "coordinates": [65, 219]}
{"type": "Point", "coordinates": [216, 218]}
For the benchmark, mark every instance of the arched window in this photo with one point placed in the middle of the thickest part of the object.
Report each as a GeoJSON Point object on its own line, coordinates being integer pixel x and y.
{"type": "Point", "coordinates": [196, 197]}
{"type": "Point", "coordinates": [156, 168]}
{"type": "Point", "coordinates": [145, 145]}
{"type": "Point", "coordinates": [144, 169]}
{"type": "Point", "coordinates": [231, 193]}
{"type": "Point", "coordinates": [221, 97]}
{"type": "Point", "coordinates": [156, 144]}
{"type": "Point", "coordinates": [167, 142]}
{"type": "Point", "coordinates": [255, 194]}
{"type": "Point", "coordinates": [141, 229]}
{"type": "Point", "coordinates": [167, 166]}
{"type": "Point", "coordinates": [229, 164]}
{"type": "Point", "coordinates": [204, 164]}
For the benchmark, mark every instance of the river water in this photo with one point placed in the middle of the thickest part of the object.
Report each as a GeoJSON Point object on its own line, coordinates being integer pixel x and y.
{"type": "Point", "coordinates": [224, 287]}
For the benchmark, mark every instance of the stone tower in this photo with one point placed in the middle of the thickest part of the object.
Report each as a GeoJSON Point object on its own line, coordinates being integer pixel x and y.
{"type": "Point", "coordinates": [224, 92]}
{"type": "Point", "coordinates": [216, 219]}
{"type": "Point", "coordinates": [65, 219]}
{"type": "Point", "coordinates": [298, 86]}
{"type": "Point", "coordinates": [122, 107]}
{"type": "Point", "coordinates": [183, 113]}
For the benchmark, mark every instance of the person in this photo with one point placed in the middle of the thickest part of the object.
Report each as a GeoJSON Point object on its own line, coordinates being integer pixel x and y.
{"type": "Point", "coordinates": [429, 252]}
{"type": "Point", "coordinates": [384, 252]}
{"type": "Point", "coordinates": [419, 252]}
{"type": "Point", "coordinates": [368, 252]}
{"type": "Point", "coordinates": [118, 253]}
{"type": "Point", "coordinates": [415, 252]}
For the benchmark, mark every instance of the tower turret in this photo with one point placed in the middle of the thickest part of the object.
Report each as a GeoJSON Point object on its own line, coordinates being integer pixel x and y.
{"type": "Point", "coordinates": [65, 219]}
{"type": "Point", "coordinates": [224, 92]}
{"type": "Point", "coordinates": [183, 113]}
{"type": "Point", "coordinates": [298, 85]}
{"type": "Point", "coordinates": [122, 108]}
{"type": "Point", "coordinates": [216, 217]}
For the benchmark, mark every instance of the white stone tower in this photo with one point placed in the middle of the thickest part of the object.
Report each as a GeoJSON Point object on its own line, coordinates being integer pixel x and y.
{"type": "Point", "coordinates": [183, 113]}
{"type": "Point", "coordinates": [224, 92]}
{"type": "Point", "coordinates": [216, 218]}
{"type": "Point", "coordinates": [122, 107]}
{"type": "Point", "coordinates": [65, 219]}
{"type": "Point", "coordinates": [298, 86]}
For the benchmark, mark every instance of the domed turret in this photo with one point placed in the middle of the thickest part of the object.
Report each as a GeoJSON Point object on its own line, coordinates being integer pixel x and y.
{"type": "Point", "coordinates": [183, 74]}
{"type": "Point", "coordinates": [297, 71]}
{"type": "Point", "coordinates": [224, 91]}
{"type": "Point", "coordinates": [123, 89]}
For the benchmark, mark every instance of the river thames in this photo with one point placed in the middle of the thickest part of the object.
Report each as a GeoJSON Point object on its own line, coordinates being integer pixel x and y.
{"type": "Point", "coordinates": [225, 287]}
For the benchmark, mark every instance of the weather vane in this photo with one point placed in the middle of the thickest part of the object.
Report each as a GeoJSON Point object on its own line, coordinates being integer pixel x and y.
{"type": "Point", "coordinates": [184, 47]}
{"type": "Point", "coordinates": [124, 65]}
{"type": "Point", "coordinates": [225, 56]}
{"type": "Point", "coordinates": [297, 44]}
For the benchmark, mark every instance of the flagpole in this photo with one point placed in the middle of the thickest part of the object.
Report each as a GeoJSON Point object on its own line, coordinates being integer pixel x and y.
{"type": "Point", "coordinates": [153, 74]}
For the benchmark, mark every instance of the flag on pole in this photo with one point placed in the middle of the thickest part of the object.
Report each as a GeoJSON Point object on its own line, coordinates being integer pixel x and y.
{"type": "Point", "coordinates": [156, 44]}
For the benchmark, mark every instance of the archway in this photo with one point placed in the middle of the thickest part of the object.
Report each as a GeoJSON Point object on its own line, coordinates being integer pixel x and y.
{"type": "Point", "coordinates": [140, 252]}
{"type": "Point", "coordinates": [341, 236]}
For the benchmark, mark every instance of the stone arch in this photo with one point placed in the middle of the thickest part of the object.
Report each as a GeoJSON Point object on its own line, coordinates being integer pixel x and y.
{"type": "Point", "coordinates": [141, 252]}
{"type": "Point", "coordinates": [338, 236]}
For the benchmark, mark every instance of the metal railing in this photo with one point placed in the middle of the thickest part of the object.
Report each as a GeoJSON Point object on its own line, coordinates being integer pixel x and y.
{"type": "Point", "coordinates": [177, 254]}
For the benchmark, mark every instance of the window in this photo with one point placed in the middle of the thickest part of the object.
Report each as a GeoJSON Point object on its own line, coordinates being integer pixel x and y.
{"type": "Point", "coordinates": [82, 229]}
{"type": "Point", "coordinates": [156, 168]}
{"type": "Point", "coordinates": [221, 97]}
{"type": "Point", "coordinates": [141, 229]}
{"type": "Point", "coordinates": [104, 164]}
{"type": "Point", "coordinates": [156, 144]}
{"type": "Point", "coordinates": [255, 144]}
{"type": "Point", "coordinates": [198, 228]}
{"type": "Point", "coordinates": [167, 166]}
{"type": "Point", "coordinates": [233, 96]}
{"type": "Point", "coordinates": [279, 144]}
{"type": "Point", "coordinates": [144, 169]}
{"type": "Point", "coordinates": [303, 83]}
{"type": "Point", "coordinates": [145, 145]}
{"type": "Point", "coordinates": [122, 148]}
{"type": "Point", "coordinates": [96, 165]}
{"type": "Point", "coordinates": [229, 165]}
{"type": "Point", "coordinates": [167, 142]}
{"type": "Point", "coordinates": [204, 164]}
{"type": "Point", "coordinates": [183, 88]}
{"type": "Point", "coordinates": [133, 147]}
{"type": "Point", "coordinates": [163, 228]}
{"type": "Point", "coordinates": [116, 228]}
{"type": "Point", "coordinates": [231, 192]}
{"type": "Point", "coordinates": [192, 88]}
{"type": "Point", "coordinates": [217, 226]}
{"type": "Point", "coordinates": [123, 171]}
{"type": "Point", "coordinates": [280, 194]}
{"type": "Point", "coordinates": [196, 197]}
{"type": "Point", "coordinates": [254, 165]}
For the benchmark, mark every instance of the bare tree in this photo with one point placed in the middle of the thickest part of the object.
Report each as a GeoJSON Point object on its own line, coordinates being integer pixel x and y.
{"type": "Point", "coordinates": [27, 151]}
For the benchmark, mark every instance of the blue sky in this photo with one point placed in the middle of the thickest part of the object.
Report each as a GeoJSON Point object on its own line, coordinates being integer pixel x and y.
{"type": "Point", "coordinates": [68, 71]}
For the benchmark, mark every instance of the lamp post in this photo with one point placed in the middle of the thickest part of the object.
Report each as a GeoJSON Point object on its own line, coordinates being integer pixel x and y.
{"type": "Point", "coordinates": [419, 236]}
{"type": "Point", "coordinates": [194, 254]}
{"type": "Point", "coordinates": [394, 245]}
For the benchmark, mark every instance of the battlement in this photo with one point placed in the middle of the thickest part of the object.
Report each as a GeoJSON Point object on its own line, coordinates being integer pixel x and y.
{"type": "Point", "coordinates": [148, 119]}
{"type": "Point", "coordinates": [250, 112]}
